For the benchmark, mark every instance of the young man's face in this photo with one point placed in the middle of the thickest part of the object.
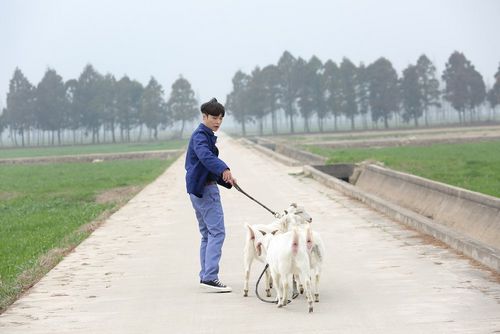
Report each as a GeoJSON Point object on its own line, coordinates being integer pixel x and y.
{"type": "Point", "coordinates": [212, 122]}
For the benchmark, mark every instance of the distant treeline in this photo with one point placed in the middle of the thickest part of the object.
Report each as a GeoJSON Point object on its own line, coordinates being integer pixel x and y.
{"type": "Point", "coordinates": [315, 90]}
{"type": "Point", "coordinates": [92, 105]}
{"type": "Point", "coordinates": [98, 108]}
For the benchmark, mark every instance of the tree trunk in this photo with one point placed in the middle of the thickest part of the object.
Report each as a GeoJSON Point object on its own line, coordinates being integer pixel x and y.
{"type": "Point", "coordinates": [320, 124]}
{"type": "Point", "coordinates": [113, 137]}
{"type": "Point", "coordinates": [182, 129]}
{"type": "Point", "coordinates": [140, 132]}
{"type": "Point", "coordinates": [243, 128]}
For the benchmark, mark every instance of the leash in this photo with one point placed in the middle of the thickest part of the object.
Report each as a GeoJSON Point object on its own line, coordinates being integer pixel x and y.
{"type": "Point", "coordinates": [257, 288]}
{"type": "Point", "coordinates": [295, 293]}
{"type": "Point", "coordinates": [253, 199]}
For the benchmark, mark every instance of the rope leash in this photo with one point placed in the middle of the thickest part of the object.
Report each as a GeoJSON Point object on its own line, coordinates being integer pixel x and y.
{"type": "Point", "coordinates": [253, 199]}
{"type": "Point", "coordinates": [295, 293]}
{"type": "Point", "coordinates": [257, 288]}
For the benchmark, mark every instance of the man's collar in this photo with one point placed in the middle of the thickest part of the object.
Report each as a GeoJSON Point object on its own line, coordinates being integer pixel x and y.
{"type": "Point", "coordinates": [207, 130]}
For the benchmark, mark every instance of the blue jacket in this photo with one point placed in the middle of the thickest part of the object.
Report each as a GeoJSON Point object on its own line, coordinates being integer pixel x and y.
{"type": "Point", "coordinates": [202, 162]}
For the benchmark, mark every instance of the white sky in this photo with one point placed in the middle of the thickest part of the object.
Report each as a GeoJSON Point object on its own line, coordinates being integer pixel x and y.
{"type": "Point", "coordinates": [208, 41]}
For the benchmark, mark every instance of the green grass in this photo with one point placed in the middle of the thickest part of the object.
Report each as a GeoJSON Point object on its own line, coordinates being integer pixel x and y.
{"type": "Point", "coordinates": [44, 206]}
{"type": "Point", "coordinates": [473, 166]}
{"type": "Point", "coordinates": [88, 149]}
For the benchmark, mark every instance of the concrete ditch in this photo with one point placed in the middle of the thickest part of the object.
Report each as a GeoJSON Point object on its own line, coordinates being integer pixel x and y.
{"type": "Point", "coordinates": [461, 235]}
{"type": "Point", "coordinates": [467, 221]}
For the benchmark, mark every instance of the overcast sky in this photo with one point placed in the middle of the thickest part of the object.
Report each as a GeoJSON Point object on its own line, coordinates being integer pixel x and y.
{"type": "Point", "coordinates": [208, 41]}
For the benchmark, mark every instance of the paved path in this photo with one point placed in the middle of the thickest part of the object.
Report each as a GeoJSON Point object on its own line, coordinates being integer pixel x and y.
{"type": "Point", "coordinates": [138, 272]}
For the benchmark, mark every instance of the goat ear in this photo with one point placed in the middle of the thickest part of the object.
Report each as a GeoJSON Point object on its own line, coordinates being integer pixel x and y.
{"type": "Point", "coordinates": [252, 233]}
{"type": "Point", "coordinates": [286, 212]}
{"type": "Point", "coordinates": [293, 204]}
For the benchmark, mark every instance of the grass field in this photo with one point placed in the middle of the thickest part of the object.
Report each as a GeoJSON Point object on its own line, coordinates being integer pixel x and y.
{"type": "Point", "coordinates": [47, 207]}
{"type": "Point", "coordinates": [473, 166]}
{"type": "Point", "coordinates": [88, 149]}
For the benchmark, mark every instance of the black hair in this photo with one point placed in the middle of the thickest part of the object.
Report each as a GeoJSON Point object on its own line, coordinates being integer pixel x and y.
{"type": "Point", "coordinates": [213, 108]}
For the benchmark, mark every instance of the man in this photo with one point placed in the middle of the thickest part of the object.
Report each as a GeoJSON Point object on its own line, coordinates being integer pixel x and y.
{"type": "Point", "coordinates": [204, 170]}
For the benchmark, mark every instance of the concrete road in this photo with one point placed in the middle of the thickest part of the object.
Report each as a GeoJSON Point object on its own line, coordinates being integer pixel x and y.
{"type": "Point", "coordinates": [138, 272]}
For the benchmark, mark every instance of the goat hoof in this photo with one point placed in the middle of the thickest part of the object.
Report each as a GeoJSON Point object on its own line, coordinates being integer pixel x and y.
{"type": "Point", "coordinates": [301, 291]}
{"type": "Point", "coordinates": [310, 309]}
{"type": "Point", "coordinates": [245, 293]}
{"type": "Point", "coordinates": [268, 293]}
{"type": "Point", "coordinates": [316, 298]}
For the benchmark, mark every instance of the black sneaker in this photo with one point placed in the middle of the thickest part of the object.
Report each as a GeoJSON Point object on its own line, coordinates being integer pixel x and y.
{"type": "Point", "coordinates": [215, 286]}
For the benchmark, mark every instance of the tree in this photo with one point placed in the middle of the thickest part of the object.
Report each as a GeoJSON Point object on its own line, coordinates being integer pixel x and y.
{"type": "Point", "coordinates": [271, 80]}
{"type": "Point", "coordinates": [384, 90]}
{"type": "Point", "coordinates": [312, 91]}
{"type": "Point", "coordinates": [153, 108]}
{"type": "Point", "coordinates": [332, 89]}
{"type": "Point", "coordinates": [256, 97]}
{"type": "Point", "coordinates": [72, 109]}
{"type": "Point", "coordinates": [307, 71]}
{"type": "Point", "coordinates": [88, 101]}
{"type": "Point", "coordinates": [237, 100]}
{"type": "Point", "coordinates": [429, 85]}
{"type": "Point", "coordinates": [109, 100]}
{"type": "Point", "coordinates": [465, 87]}
{"type": "Point", "coordinates": [347, 92]}
{"type": "Point", "coordinates": [3, 124]}
{"type": "Point", "coordinates": [20, 104]}
{"type": "Point", "coordinates": [494, 92]}
{"type": "Point", "coordinates": [477, 91]}
{"type": "Point", "coordinates": [51, 104]}
{"type": "Point", "coordinates": [412, 95]}
{"type": "Point", "coordinates": [129, 94]}
{"type": "Point", "coordinates": [287, 65]}
{"type": "Point", "coordinates": [363, 93]}
{"type": "Point", "coordinates": [182, 103]}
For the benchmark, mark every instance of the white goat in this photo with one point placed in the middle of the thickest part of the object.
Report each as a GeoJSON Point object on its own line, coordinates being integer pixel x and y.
{"type": "Point", "coordinates": [287, 255]}
{"type": "Point", "coordinates": [316, 255]}
{"type": "Point", "coordinates": [280, 224]}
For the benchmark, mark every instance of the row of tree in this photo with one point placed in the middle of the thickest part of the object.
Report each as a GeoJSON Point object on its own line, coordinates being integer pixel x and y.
{"type": "Point", "coordinates": [95, 104]}
{"type": "Point", "coordinates": [98, 105]}
{"type": "Point", "coordinates": [323, 90]}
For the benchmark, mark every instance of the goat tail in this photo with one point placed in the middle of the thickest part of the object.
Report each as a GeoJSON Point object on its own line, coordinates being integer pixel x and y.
{"type": "Point", "coordinates": [295, 242]}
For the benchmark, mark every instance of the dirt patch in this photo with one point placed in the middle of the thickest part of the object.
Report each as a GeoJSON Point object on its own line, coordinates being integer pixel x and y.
{"type": "Point", "coordinates": [117, 195]}
{"type": "Point", "coordinates": [95, 158]}
{"type": "Point", "coordinates": [5, 196]}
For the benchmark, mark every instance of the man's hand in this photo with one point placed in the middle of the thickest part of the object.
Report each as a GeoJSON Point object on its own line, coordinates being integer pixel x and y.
{"type": "Point", "coordinates": [228, 177]}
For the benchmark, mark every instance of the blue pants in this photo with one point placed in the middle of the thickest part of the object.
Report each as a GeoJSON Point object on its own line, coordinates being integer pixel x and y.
{"type": "Point", "coordinates": [210, 217]}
